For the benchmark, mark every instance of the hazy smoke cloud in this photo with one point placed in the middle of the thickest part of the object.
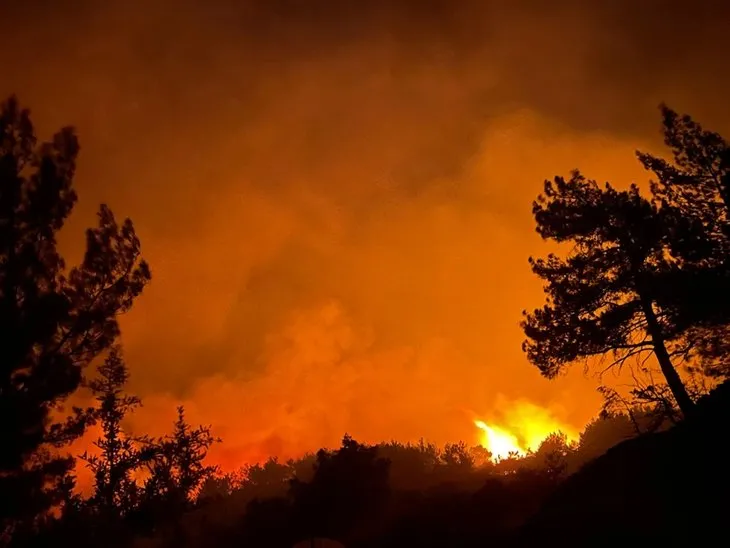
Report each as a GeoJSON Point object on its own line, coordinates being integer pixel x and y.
{"type": "Point", "coordinates": [335, 196]}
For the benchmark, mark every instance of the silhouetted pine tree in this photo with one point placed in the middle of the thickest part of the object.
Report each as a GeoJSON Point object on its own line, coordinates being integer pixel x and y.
{"type": "Point", "coordinates": [115, 491]}
{"type": "Point", "coordinates": [696, 187]}
{"type": "Point", "coordinates": [52, 322]}
{"type": "Point", "coordinates": [602, 297]}
{"type": "Point", "coordinates": [178, 470]}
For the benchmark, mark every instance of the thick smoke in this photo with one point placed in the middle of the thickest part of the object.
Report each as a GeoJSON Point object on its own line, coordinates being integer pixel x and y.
{"type": "Point", "coordinates": [335, 196]}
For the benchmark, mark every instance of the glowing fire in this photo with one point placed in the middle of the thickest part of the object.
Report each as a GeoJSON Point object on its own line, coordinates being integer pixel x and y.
{"type": "Point", "coordinates": [498, 442]}
{"type": "Point", "coordinates": [523, 428]}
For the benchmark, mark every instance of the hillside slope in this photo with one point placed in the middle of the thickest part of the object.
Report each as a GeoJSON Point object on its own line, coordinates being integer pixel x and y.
{"type": "Point", "coordinates": [666, 487]}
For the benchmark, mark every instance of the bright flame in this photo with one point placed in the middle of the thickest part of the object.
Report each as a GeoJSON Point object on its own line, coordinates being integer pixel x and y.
{"type": "Point", "coordinates": [499, 442]}
{"type": "Point", "coordinates": [523, 427]}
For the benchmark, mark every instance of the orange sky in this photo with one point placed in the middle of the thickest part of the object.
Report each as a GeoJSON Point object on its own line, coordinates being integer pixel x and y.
{"type": "Point", "coordinates": [335, 200]}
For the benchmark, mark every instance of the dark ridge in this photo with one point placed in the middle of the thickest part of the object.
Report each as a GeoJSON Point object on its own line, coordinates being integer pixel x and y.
{"type": "Point", "coordinates": [666, 486]}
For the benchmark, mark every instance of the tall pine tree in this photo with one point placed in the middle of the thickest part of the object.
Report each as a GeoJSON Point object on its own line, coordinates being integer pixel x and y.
{"type": "Point", "coordinates": [179, 470]}
{"type": "Point", "coordinates": [601, 297]}
{"type": "Point", "coordinates": [53, 322]}
{"type": "Point", "coordinates": [120, 455]}
{"type": "Point", "coordinates": [695, 185]}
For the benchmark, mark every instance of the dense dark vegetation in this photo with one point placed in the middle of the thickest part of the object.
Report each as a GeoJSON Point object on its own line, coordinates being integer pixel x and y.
{"type": "Point", "coordinates": [644, 278]}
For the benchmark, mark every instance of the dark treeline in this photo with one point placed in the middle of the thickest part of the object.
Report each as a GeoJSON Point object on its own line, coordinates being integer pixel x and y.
{"type": "Point", "coordinates": [643, 284]}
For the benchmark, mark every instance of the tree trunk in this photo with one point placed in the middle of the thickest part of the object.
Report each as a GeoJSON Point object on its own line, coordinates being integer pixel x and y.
{"type": "Point", "coordinates": [686, 405]}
